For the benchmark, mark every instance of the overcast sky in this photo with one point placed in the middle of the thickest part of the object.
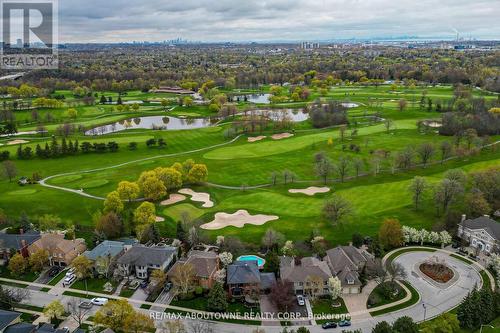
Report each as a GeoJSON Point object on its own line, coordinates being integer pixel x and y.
{"type": "Point", "coordinates": [271, 20]}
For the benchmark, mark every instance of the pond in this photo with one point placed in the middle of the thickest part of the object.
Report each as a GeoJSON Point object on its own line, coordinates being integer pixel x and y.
{"type": "Point", "coordinates": [151, 122]}
{"type": "Point", "coordinates": [295, 115]}
{"type": "Point", "coordinates": [254, 98]}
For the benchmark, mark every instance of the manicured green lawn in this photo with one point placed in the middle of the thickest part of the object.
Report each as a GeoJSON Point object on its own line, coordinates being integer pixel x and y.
{"type": "Point", "coordinates": [406, 250]}
{"type": "Point", "coordinates": [379, 298]}
{"type": "Point", "coordinates": [413, 300]}
{"type": "Point", "coordinates": [242, 163]}
{"type": "Point", "coordinates": [323, 307]}
{"type": "Point", "coordinates": [57, 278]}
{"type": "Point", "coordinates": [125, 292]}
{"type": "Point", "coordinates": [94, 284]}
{"type": "Point", "coordinates": [28, 276]}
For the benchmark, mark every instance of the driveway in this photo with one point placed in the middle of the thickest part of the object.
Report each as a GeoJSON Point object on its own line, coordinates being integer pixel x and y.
{"type": "Point", "coordinates": [356, 303]}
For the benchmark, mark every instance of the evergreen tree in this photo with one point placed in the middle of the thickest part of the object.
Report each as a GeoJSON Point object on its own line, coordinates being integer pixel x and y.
{"type": "Point", "coordinates": [39, 151]}
{"type": "Point", "coordinates": [19, 152]}
{"type": "Point", "coordinates": [75, 147]}
{"type": "Point", "coordinates": [64, 147]}
{"type": "Point", "coordinates": [54, 147]}
{"type": "Point", "coordinates": [217, 299]}
{"type": "Point", "coordinates": [46, 150]}
{"type": "Point", "coordinates": [181, 233]}
{"type": "Point", "coordinates": [70, 147]}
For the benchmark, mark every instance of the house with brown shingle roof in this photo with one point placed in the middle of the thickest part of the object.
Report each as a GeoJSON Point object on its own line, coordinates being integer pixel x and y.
{"type": "Point", "coordinates": [61, 251]}
{"type": "Point", "coordinates": [205, 265]}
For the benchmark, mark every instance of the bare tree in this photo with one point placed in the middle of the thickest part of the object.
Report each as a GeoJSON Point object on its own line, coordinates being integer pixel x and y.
{"type": "Point", "coordinates": [446, 149]}
{"type": "Point", "coordinates": [418, 187]}
{"type": "Point", "coordinates": [76, 312]}
{"type": "Point", "coordinates": [425, 151]}
{"type": "Point", "coordinates": [343, 167]}
{"type": "Point", "coordinates": [272, 238]}
{"type": "Point", "coordinates": [337, 209]}
{"type": "Point", "coordinates": [323, 169]}
{"type": "Point", "coordinates": [199, 326]}
{"type": "Point", "coordinates": [358, 164]}
{"type": "Point", "coordinates": [9, 170]}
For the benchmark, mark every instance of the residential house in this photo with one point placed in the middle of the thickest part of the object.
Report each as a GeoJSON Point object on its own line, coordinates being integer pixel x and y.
{"type": "Point", "coordinates": [16, 243]}
{"type": "Point", "coordinates": [8, 318]}
{"type": "Point", "coordinates": [205, 265]}
{"type": "Point", "coordinates": [482, 233]}
{"type": "Point", "coordinates": [31, 328]}
{"type": "Point", "coordinates": [347, 263]}
{"type": "Point", "coordinates": [309, 276]}
{"type": "Point", "coordinates": [61, 251]}
{"type": "Point", "coordinates": [140, 260]}
{"type": "Point", "coordinates": [245, 279]}
{"type": "Point", "coordinates": [105, 255]}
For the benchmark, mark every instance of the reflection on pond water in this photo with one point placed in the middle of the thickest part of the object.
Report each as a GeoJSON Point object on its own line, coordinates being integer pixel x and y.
{"type": "Point", "coordinates": [151, 122]}
{"type": "Point", "coordinates": [253, 98]}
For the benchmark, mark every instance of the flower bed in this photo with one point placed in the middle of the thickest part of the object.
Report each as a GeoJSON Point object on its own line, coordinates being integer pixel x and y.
{"type": "Point", "coordinates": [436, 271]}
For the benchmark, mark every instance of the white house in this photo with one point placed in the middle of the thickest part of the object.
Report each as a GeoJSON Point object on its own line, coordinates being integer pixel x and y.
{"type": "Point", "coordinates": [481, 233]}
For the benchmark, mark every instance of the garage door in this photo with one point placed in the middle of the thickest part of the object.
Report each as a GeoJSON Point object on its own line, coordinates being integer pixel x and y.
{"type": "Point", "coordinates": [354, 290]}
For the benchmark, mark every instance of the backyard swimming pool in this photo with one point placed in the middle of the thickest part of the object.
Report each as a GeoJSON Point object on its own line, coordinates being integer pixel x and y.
{"type": "Point", "coordinates": [260, 261]}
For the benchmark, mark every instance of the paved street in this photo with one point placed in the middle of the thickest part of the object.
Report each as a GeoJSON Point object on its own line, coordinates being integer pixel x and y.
{"type": "Point", "coordinates": [436, 300]}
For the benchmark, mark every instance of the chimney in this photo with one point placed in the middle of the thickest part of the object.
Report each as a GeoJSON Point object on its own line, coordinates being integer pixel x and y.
{"type": "Point", "coordinates": [463, 217]}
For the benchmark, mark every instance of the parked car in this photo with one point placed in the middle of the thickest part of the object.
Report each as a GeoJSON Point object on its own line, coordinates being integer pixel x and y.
{"type": "Point", "coordinates": [301, 300]}
{"type": "Point", "coordinates": [168, 286]}
{"type": "Point", "coordinates": [53, 271]}
{"type": "Point", "coordinates": [329, 324]}
{"type": "Point", "coordinates": [69, 280]}
{"type": "Point", "coordinates": [144, 284]}
{"type": "Point", "coordinates": [99, 301]}
{"type": "Point", "coordinates": [344, 323]}
{"type": "Point", "coordinates": [85, 305]}
{"type": "Point", "coordinates": [70, 272]}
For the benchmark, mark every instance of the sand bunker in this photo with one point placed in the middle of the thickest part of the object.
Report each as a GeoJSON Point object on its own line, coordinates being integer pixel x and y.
{"type": "Point", "coordinates": [17, 142]}
{"type": "Point", "coordinates": [238, 219]}
{"type": "Point", "coordinates": [281, 136]}
{"type": "Point", "coordinates": [159, 219]}
{"type": "Point", "coordinates": [172, 199]}
{"type": "Point", "coordinates": [199, 197]}
{"type": "Point", "coordinates": [256, 138]}
{"type": "Point", "coordinates": [310, 190]}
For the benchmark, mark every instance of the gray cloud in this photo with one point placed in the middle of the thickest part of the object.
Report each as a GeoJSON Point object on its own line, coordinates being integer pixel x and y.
{"type": "Point", "coordinates": [231, 20]}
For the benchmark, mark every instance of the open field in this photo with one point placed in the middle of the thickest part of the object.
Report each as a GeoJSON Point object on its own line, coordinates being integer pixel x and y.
{"type": "Point", "coordinates": [240, 165]}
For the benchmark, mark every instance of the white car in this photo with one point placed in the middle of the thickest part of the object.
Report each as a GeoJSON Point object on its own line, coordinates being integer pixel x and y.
{"type": "Point", "coordinates": [69, 280]}
{"type": "Point", "coordinates": [70, 272]}
{"type": "Point", "coordinates": [301, 300]}
{"type": "Point", "coordinates": [99, 301]}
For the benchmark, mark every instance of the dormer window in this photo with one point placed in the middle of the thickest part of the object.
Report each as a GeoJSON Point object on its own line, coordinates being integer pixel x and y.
{"type": "Point", "coordinates": [350, 281]}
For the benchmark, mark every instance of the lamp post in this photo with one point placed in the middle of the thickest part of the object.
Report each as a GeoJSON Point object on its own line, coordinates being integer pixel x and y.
{"type": "Point", "coordinates": [481, 329]}
{"type": "Point", "coordinates": [425, 310]}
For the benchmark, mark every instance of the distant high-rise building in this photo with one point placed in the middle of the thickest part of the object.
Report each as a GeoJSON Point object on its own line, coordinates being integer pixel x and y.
{"type": "Point", "coordinates": [309, 46]}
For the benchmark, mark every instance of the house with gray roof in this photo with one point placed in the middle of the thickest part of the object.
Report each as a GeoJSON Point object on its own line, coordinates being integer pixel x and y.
{"type": "Point", "coordinates": [16, 243]}
{"type": "Point", "coordinates": [346, 263]}
{"type": "Point", "coordinates": [141, 260]}
{"type": "Point", "coordinates": [482, 233]}
{"type": "Point", "coordinates": [8, 318]}
{"type": "Point", "coordinates": [309, 276]}
{"type": "Point", "coordinates": [105, 255]}
{"type": "Point", "coordinates": [244, 278]}
{"type": "Point", "coordinates": [23, 327]}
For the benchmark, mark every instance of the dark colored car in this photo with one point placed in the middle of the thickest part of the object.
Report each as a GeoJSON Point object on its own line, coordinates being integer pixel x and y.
{"type": "Point", "coordinates": [168, 286]}
{"type": "Point", "coordinates": [329, 324]}
{"type": "Point", "coordinates": [344, 323]}
{"type": "Point", "coordinates": [53, 271]}
{"type": "Point", "coordinates": [144, 284]}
